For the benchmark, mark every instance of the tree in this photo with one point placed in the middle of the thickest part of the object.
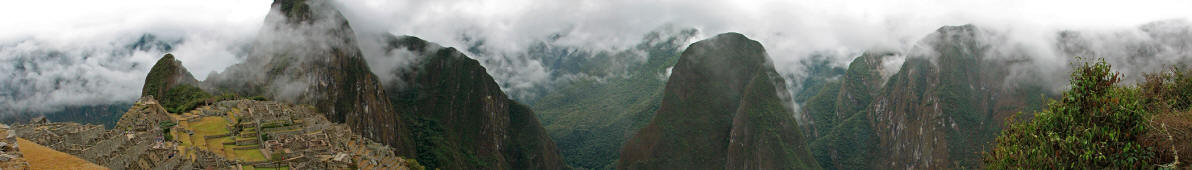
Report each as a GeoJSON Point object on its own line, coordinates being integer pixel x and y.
{"type": "Point", "coordinates": [1094, 124]}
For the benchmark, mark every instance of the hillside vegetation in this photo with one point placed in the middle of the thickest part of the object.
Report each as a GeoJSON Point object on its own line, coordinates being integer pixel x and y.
{"type": "Point", "coordinates": [1101, 123]}
{"type": "Point", "coordinates": [591, 117]}
{"type": "Point", "coordinates": [720, 109]}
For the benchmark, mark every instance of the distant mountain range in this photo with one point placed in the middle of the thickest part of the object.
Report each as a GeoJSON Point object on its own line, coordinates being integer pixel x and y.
{"type": "Point", "coordinates": [664, 103]}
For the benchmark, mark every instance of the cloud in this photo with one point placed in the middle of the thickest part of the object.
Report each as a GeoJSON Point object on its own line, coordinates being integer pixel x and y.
{"type": "Point", "coordinates": [791, 30]}
{"type": "Point", "coordinates": [60, 53]}
{"type": "Point", "coordinates": [498, 33]}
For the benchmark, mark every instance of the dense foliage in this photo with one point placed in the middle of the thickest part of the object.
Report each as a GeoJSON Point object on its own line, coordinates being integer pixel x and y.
{"type": "Point", "coordinates": [590, 117]}
{"type": "Point", "coordinates": [1098, 123]}
{"type": "Point", "coordinates": [187, 97]}
{"type": "Point", "coordinates": [720, 109]}
{"type": "Point", "coordinates": [183, 98]}
{"type": "Point", "coordinates": [428, 141]}
{"type": "Point", "coordinates": [841, 135]}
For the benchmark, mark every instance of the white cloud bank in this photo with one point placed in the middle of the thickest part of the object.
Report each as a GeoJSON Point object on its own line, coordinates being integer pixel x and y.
{"type": "Point", "coordinates": [211, 31]}
{"type": "Point", "coordinates": [58, 53]}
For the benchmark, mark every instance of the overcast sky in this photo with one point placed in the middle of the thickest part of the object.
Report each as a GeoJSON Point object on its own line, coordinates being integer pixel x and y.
{"type": "Point", "coordinates": [56, 53]}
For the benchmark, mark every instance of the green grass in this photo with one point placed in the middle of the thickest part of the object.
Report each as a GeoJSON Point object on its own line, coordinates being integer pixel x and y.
{"type": "Point", "coordinates": [210, 125]}
{"type": "Point", "coordinates": [251, 155]}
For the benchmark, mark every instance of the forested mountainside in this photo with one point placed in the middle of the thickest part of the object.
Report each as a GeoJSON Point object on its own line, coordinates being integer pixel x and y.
{"type": "Point", "coordinates": [939, 110]}
{"type": "Point", "coordinates": [720, 109]}
{"type": "Point", "coordinates": [459, 117]}
{"type": "Point", "coordinates": [592, 115]}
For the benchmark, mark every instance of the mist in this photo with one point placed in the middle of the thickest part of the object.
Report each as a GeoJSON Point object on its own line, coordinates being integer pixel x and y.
{"type": "Point", "coordinates": [60, 53]}
{"type": "Point", "coordinates": [90, 65]}
{"type": "Point", "coordinates": [498, 33]}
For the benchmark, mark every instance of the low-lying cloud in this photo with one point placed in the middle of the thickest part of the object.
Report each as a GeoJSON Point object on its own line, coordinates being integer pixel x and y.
{"type": "Point", "coordinates": [59, 53]}
{"type": "Point", "coordinates": [499, 33]}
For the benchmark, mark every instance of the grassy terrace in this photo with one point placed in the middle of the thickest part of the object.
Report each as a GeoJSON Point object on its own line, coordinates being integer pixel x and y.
{"type": "Point", "coordinates": [214, 126]}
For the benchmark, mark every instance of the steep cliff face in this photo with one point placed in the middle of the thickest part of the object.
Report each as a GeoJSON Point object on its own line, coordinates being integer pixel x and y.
{"type": "Point", "coordinates": [307, 53]}
{"type": "Point", "coordinates": [939, 110]}
{"type": "Point", "coordinates": [842, 136]}
{"type": "Point", "coordinates": [946, 103]}
{"type": "Point", "coordinates": [720, 109]}
{"type": "Point", "coordinates": [463, 119]}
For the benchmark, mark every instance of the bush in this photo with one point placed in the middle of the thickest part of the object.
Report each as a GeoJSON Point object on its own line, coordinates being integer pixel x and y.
{"type": "Point", "coordinates": [1094, 124]}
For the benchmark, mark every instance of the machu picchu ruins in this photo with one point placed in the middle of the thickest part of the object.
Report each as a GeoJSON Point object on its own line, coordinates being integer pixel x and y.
{"type": "Point", "coordinates": [231, 134]}
{"type": "Point", "coordinates": [10, 153]}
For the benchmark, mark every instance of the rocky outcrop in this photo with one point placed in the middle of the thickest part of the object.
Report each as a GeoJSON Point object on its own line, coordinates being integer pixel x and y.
{"type": "Point", "coordinates": [145, 115]}
{"type": "Point", "coordinates": [721, 109]}
{"type": "Point", "coordinates": [464, 120]}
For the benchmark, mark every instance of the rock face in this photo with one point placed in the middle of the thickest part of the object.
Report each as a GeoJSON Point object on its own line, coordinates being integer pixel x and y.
{"type": "Point", "coordinates": [941, 113]}
{"type": "Point", "coordinates": [307, 53]}
{"type": "Point", "coordinates": [460, 116]}
{"type": "Point", "coordinates": [166, 74]}
{"type": "Point", "coordinates": [721, 109]}
{"type": "Point", "coordinates": [939, 110]}
{"type": "Point", "coordinates": [843, 137]}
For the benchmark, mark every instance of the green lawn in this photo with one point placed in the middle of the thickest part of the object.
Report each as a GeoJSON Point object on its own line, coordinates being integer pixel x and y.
{"type": "Point", "coordinates": [211, 125]}
{"type": "Point", "coordinates": [250, 155]}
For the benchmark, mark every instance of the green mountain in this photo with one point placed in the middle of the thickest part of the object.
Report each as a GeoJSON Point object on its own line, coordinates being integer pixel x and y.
{"type": "Point", "coordinates": [460, 117]}
{"type": "Point", "coordinates": [173, 85]}
{"type": "Point", "coordinates": [941, 108]}
{"type": "Point", "coordinates": [165, 75]}
{"type": "Point", "coordinates": [720, 109]}
{"type": "Point", "coordinates": [842, 137]}
{"type": "Point", "coordinates": [591, 117]}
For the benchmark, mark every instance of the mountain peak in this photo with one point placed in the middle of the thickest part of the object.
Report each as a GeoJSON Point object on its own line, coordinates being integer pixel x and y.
{"type": "Point", "coordinates": [957, 28]}
{"type": "Point", "coordinates": [294, 10]}
{"type": "Point", "coordinates": [730, 35]}
{"type": "Point", "coordinates": [720, 109]}
{"type": "Point", "coordinates": [449, 96]}
{"type": "Point", "coordinates": [167, 73]}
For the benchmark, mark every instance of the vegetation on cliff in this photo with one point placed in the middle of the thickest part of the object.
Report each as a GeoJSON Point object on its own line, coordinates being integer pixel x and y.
{"type": "Point", "coordinates": [458, 115]}
{"type": "Point", "coordinates": [720, 109]}
{"type": "Point", "coordinates": [591, 117]}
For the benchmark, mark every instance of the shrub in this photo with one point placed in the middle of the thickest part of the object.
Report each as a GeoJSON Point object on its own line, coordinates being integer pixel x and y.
{"type": "Point", "coordinates": [1094, 124]}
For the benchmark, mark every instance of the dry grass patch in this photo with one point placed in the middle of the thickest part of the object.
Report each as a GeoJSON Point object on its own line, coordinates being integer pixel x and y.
{"type": "Point", "coordinates": [41, 157]}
